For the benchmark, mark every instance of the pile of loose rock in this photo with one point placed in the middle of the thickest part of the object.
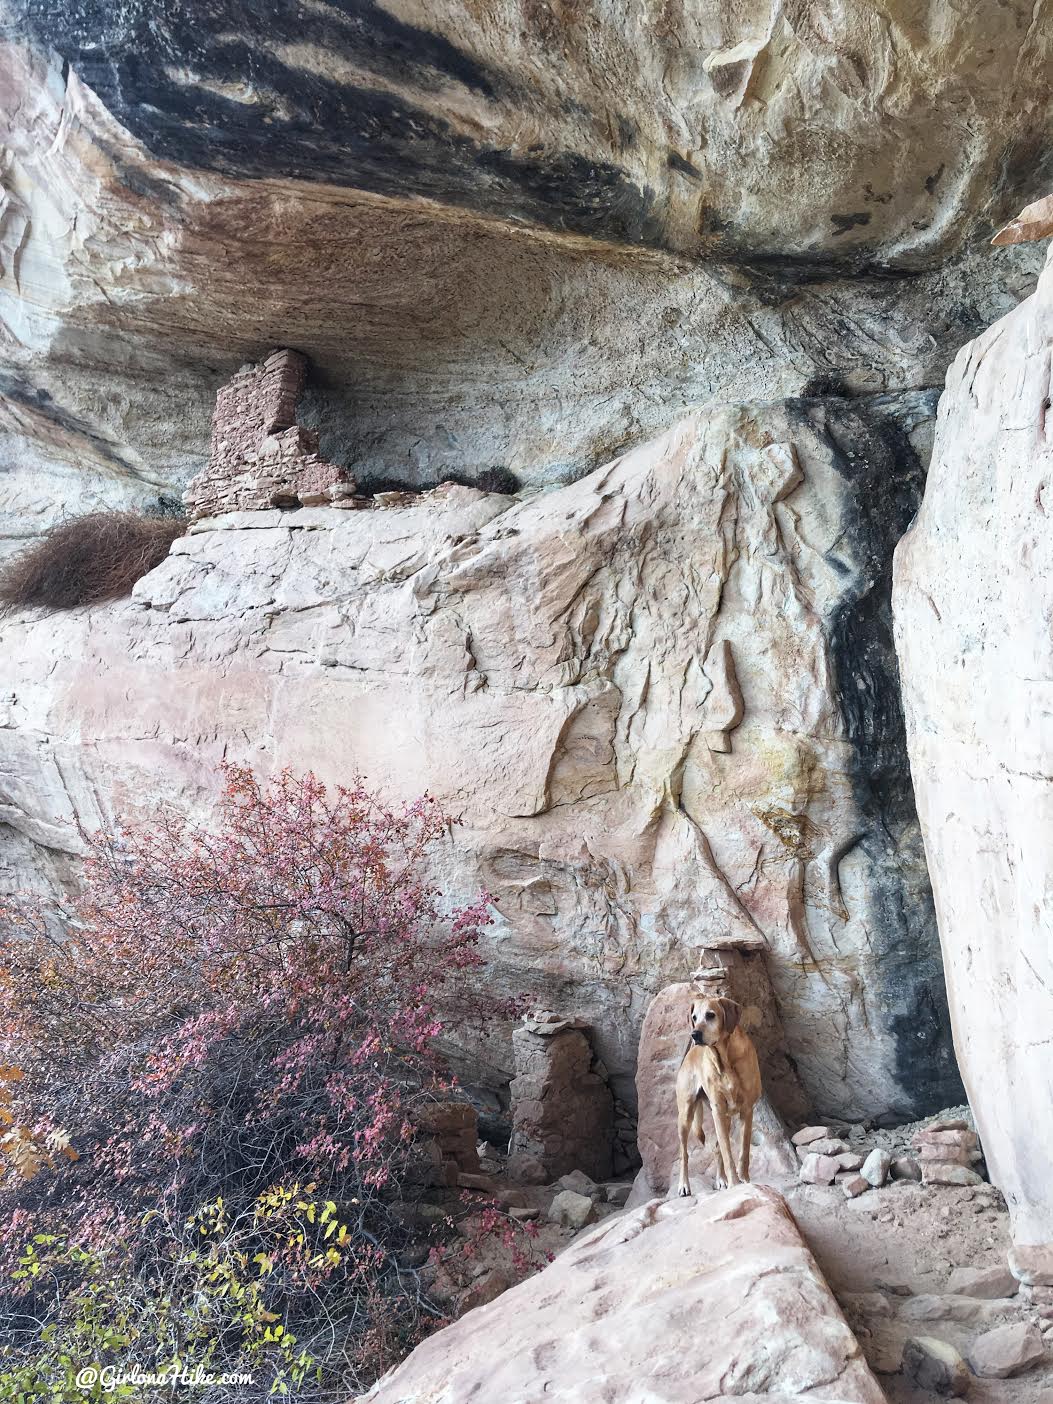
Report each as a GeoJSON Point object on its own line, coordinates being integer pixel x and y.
{"type": "Point", "coordinates": [976, 1294]}
{"type": "Point", "coordinates": [462, 1178]}
{"type": "Point", "coordinates": [941, 1152]}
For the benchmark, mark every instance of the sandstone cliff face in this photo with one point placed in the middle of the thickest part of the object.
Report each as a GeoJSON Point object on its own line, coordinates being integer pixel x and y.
{"type": "Point", "coordinates": [663, 701]}
{"type": "Point", "coordinates": [973, 612]}
{"type": "Point", "coordinates": [662, 697]}
{"type": "Point", "coordinates": [519, 233]}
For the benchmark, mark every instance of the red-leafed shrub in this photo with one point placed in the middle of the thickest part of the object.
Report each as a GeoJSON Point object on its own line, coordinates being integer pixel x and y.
{"type": "Point", "coordinates": [243, 1015]}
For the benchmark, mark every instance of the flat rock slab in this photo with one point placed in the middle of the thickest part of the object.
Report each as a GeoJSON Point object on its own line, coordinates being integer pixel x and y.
{"type": "Point", "coordinates": [673, 1302]}
{"type": "Point", "coordinates": [989, 1282]}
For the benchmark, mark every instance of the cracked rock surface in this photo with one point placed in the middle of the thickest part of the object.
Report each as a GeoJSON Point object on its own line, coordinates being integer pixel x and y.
{"type": "Point", "coordinates": [540, 667]}
{"type": "Point", "coordinates": [708, 1298]}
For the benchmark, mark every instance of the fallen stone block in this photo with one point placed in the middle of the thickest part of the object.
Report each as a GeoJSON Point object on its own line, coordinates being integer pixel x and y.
{"type": "Point", "coordinates": [1006, 1351]}
{"type": "Point", "coordinates": [941, 1172]}
{"type": "Point", "coordinates": [853, 1185]}
{"type": "Point", "coordinates": [1032, 1264]}
{"type": "Point", "coordinates": [876, 1167]}
{"type": "Point", "coordinates": [957, 1139]}
{"type": "Point", "coordinates": [829, 1146]}
{"type": "Point", "coordinates": [580, 1183]}
{"type": "Point", "coordinates": [572, 1210]}
{"type": "Point", "coordinates": [933, 1364]}
{"type": "Point", "coordinates": [950, 1155]}
{"type": "Point", "coordinates": [984, 1282]}
{"type": "Point", "coordinates": [905, 1167]}
{"type": "Point", "coordinates": [819, 1169]}
{"type": "Point", "coordinates": [808, 1134]}
{"type": "Point", "coordinates": [967, 1311]}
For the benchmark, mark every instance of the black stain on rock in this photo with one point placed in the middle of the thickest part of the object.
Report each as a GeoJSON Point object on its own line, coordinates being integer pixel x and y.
{"type": "Point", "coordinates": [933, 180]}
{"type": "Point", "coordinates": [255, 90]}
{"type": "Point", "coordinates": [884, 481]}
{"type": "Point", "coordinates": [39, 402]}
{"type": "Point", "coordinates": [827, 386]}
{"type": "Point", "coordinates": [676, 162]}
{"type": "Point", "coordinates": [843, 223]}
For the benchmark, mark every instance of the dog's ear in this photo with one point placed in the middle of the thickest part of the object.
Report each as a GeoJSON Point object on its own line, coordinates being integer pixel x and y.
{"type": "Point", "coordinates": [731, 1012]}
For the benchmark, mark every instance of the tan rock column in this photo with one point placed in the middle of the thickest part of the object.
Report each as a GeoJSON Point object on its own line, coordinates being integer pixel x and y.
{"type": "Point", "coordinates": [663, 1042]}
{"type": "Point", "coordinates": [973, 604]}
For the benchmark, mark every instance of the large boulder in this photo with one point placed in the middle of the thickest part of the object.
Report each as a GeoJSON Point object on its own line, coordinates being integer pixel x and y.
{"type": "Point", "coordinates": [973, 603]}
{"type": "Point", "coordinates": [675, 1301]}
{"type": "Point", "coordinates": [543, 668]}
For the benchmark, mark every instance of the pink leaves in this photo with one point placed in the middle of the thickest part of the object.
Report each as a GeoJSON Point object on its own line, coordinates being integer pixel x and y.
{"type": "Point", "coordinates": [250, 1002]}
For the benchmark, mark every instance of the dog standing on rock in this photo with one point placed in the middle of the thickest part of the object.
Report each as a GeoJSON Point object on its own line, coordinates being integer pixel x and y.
{"type": "Point", "coordinates": [721, 1065]}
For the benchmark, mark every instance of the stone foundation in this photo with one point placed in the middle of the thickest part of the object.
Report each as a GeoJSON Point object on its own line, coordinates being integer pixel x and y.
{"type": "Point", "coordinates": [259, 456]}
{"type": "Point", "coordinates": [452, 1133]}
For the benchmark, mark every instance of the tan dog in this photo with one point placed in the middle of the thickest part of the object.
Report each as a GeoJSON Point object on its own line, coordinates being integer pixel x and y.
{"type": "Point", "coordinates": [720, 1062]}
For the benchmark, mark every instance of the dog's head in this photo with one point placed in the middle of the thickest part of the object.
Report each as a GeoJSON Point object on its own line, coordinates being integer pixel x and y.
{"type": "Point", "coordinates": [712, 1019]}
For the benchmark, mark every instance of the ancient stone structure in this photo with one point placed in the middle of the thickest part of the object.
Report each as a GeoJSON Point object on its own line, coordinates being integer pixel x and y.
{"type": "Point", "coordinates": [259, 456]}
{"type": "Point", "coordinates": [450, 1131]}
{"type": "Point", "coordinates": [562, 1108]}
{"type": "Point", "coordinates": [714, 1298]}
{"type": "Point", "coordinates": [974, 599]}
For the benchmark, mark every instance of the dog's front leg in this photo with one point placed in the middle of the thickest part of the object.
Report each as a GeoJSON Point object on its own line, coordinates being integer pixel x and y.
{"type": "Point", "coordinates": [747, 1137]}
{"type": "Point", "coordinates": [722, 1120]}
{"type": "Point", "coordinates": [683, 1122]}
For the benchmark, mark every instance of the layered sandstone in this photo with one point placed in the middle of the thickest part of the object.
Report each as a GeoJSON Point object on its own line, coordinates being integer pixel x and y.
{"type": "Point", "coordinates": [712, 1298]}
{"type": "Point", "coordinates": [554, 670]}
{"type": "Point", "coordinates": [524, 237]}
{"type": "Point", "coordinates": [974, 603]}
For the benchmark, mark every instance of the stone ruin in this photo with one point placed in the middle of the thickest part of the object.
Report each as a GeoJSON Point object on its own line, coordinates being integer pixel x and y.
{"type": "Point", "coordinates": [259, 456]}
{"type": "Point", "coordinates": [562, 1107]}
{"type": "Point", "coordinates": [450, 1134]}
